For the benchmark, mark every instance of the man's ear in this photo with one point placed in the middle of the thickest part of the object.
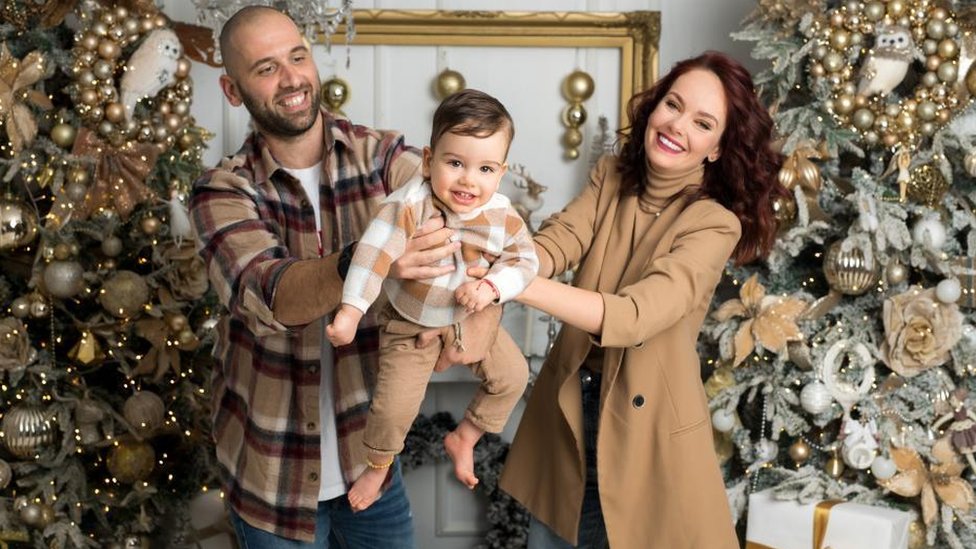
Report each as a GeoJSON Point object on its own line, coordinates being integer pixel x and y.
{"type": "Point", "coordinates": [231, 91]}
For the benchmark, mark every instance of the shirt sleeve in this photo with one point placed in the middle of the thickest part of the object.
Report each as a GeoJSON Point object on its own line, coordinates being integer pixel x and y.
{"type": "Point", "coordinates": [676, 282]}
{"type": "Point", "coordinates": [518, 263]}
{"type": "Point", "coordinates": [244, 256]}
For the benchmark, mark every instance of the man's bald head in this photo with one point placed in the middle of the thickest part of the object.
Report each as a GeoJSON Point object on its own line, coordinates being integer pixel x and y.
{"type": "Point", "coordinates": [245, 17]}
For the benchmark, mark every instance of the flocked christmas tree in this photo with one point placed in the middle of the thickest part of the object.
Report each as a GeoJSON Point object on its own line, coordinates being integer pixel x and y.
{"type": "Point", "coordinates": [844, 366]}
{"type": "Point", "coordinates": [104, 311]}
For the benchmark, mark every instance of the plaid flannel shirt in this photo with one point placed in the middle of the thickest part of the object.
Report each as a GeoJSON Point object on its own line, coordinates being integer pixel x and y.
{"type": "Point", "coordinates": [253, 220]}
{"type": "Point", "coordinates": [494, 228]}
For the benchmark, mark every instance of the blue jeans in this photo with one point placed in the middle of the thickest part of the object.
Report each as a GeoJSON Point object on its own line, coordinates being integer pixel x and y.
{"type": "Point", "coordinates": [388, 523]}
{"type": "Point", "coordinates": [592, 531]}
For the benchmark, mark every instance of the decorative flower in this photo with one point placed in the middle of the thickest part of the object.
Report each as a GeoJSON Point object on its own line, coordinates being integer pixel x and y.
{"type": "Point", "coordinates": [15, 347]}
{"type": "Point", "coordinates": [770, 321]}
{"type": "Point", "coordinates": [185, 273]}
{"type": "Point", "coordinates": [16, 78]}
{"type": "Point", "coordinates": [941, 479]}
{"type": "Point", "coordinates": [919, 331]}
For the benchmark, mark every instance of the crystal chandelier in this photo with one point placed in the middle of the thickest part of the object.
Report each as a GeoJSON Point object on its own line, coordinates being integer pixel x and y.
{"type": "Point", "coordinates": [314, 17]}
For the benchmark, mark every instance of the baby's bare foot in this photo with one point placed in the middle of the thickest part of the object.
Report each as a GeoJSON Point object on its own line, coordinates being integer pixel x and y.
{"type": "Point", "coordinates": [366, 489]}
{"type": "Point", "coordinates": [461, 453]}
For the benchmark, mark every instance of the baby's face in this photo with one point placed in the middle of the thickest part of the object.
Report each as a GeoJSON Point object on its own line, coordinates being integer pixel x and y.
{"type": "Point", "coordinates": [465, 170]}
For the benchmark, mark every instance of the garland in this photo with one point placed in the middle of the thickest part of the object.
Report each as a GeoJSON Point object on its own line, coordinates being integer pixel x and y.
{"type": "Point", "coordinates": [508, 520]}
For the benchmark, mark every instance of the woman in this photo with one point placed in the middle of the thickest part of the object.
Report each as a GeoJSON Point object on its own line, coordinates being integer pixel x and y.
{"type": "Point", "coordinates": [615, 446]}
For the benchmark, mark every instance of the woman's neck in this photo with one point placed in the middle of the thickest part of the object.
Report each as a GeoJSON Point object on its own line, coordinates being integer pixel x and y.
{"type": "Point", "coordinates": [660, 188]}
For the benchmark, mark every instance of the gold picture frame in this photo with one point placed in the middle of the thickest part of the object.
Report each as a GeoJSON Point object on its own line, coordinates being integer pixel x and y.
{"type": "Point", "coordinates": [634, 34]}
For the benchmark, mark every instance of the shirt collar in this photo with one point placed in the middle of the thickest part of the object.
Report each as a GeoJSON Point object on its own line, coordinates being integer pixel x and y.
{"type": "Point", "coordinates": [334, 130]}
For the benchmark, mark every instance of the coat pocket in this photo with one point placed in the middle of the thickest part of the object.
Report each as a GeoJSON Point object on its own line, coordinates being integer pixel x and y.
{"type": "Point", "coordinates": [684, 393]}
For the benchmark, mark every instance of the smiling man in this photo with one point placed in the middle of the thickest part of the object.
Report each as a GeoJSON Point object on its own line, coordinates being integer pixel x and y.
{"type": "Point", "coordinates": [276, 225]}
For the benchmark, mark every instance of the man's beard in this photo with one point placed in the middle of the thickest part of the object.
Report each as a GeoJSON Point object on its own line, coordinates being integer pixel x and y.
{"type": "Point", "coordinates": [277, 125]}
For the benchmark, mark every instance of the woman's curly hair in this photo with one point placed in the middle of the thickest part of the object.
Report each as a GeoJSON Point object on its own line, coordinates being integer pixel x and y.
{"type": "Point", "coordinates": [744, 178]}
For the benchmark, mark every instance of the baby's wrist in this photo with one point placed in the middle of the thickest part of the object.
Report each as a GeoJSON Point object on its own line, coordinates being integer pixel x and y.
{"type": "Point", "coordinates": [491, 285]}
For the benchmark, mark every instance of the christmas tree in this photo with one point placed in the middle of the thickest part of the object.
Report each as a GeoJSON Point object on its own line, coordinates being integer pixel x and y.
{"type": "Point", "coordinates": [104, 310]}
{"type": "Point", "coordinates": [843, 367]}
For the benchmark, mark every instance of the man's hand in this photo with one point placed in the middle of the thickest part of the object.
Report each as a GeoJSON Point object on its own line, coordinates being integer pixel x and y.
{"type": "Point", "coordinates": [478, 332]}
{"type": "Point", "coordinates": [428, 246]}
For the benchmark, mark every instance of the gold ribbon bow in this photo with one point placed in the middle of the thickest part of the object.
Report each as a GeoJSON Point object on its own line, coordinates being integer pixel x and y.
{"type": "Point", "coordinates": [119, 174]}
{"type": "Point", "coordinates": [821, 515]}
{"type": "Point", "coordinates": [16, 80]}
{"type": "Point", "coordinates": [799, 170]}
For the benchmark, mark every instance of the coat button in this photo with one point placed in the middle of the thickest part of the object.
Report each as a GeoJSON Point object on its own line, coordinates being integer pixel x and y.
{"type": "Point", "coordinates": [586, 378]}
{"type": "Point", "coordinates": [310, 426]}
{"type": "Point", "coordinates": [314, 477]}
{"type": "Point", "coordinates": [638, 401]}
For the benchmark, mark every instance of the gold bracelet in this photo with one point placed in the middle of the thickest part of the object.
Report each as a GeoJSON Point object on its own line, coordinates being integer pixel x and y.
{"type": "Point", "coordinates": [386, 465]}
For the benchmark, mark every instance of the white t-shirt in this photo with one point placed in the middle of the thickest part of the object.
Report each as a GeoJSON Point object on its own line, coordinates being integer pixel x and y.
{"type": "Point", "coordinates": [333, 484]}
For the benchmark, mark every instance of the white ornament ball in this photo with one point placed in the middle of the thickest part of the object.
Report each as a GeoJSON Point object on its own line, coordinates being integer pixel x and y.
{"type": "Point", "coordinates": [815, 398]}
{"type": "Point", "coordinates": [723, 420]}
{"type": "Point", "coordinates": [948, 290]}
{"type": "Point", "coordinates": [883, 468]}
{"type": "Point", "coordinates": [929, 233]}
{"type": "Point", "coordinates": [859, 456]}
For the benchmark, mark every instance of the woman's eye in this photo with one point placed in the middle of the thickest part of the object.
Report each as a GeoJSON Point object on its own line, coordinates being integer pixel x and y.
{"type": "Point", "coordinates": [704, 125]}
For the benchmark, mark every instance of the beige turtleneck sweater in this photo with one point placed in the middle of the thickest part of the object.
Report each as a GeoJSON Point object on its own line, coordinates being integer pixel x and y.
{"type": "Point", "coordinates": [660, 191]}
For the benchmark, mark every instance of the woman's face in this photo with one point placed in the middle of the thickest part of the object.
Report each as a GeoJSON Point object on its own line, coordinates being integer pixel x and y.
{"type": "Point", "coordinates": [686, 126]}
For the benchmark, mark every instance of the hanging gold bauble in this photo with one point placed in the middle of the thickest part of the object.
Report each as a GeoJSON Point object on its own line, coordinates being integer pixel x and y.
{"type": "Point", "coordinates": [448, 82]}
{"type": "Point", "coordinates": [150, 225]}
{"type": "Point", "coordinates": [18, 224]}
{"type": "Point", "coordinates": [27, 430]}
{"type": "Point", "coordinates": [87, 351]}
{"type": "Point", "coordinates": [721, 378]}
{"type": "Point", "coordinates": [144, 411]}
{"type": "Point", "coordinates": [335, 94]}
{"type": "Point", "coordinates": [784, 211]}
{"type": "Point", "coordinates": [895, 272]}
{"type": "Point", "coordinates": [63, 279]}
{"type": "Point", "coordinates": [37, 515]}
{"type": "Point", "coordinates": [578, 86]}
{"type": "Point", "coordinates": [927, 185]}
{"type": "Point", "coordinates": [834, 466]}
{"type": "Point", "coordinates": [847, 271]}
{"type": "Point", "coordinates": [131, 460]}
{"type": "Point", "coordinates": [799, 451]}
{"type": "Point", "coordinates": [63, 135]}
{"type": "Point", "coordinates": [125, 294]}
{"type": "Point", "coordinates": [916, 535]}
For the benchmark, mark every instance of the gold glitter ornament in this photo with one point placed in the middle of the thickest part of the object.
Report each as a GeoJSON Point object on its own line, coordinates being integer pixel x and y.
{"type": "Point", "coordinates": [131, 460]}
{"type": "Point", "coordinates": [27, 430]}
{"type": "Point", "coordinates": [927, 185]}
{"type": "Point", "coordinates": [18, 224]}
{"type": "Point", "coordinates": [145, 412]}
{"type": "Point", "coordinates": [125, 294]}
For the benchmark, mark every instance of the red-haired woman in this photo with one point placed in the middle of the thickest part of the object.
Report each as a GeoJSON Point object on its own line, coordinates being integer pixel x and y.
{"type": "Point", "coordinates": [615, 445]}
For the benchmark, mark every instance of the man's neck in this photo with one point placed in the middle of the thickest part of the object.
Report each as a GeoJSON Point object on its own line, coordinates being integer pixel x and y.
{"type": "Point", "coordinates": [302, 151]}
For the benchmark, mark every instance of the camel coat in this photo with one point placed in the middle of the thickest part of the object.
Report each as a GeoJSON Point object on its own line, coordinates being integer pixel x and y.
{"type": "Point", "coordinates": [660, 483]}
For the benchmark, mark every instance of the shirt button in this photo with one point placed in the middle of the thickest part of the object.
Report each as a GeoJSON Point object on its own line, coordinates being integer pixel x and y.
{"type": "Point", "coordinates": [313, 369]}
{"type": "Point", "coordinates": [586, 378]}
{"type": "Point", "coordinates": [310, 426]}
{"type": "Point", "coordinates": [638, 401]}
{"type": "Point", "coordinates": [314, 477]}
{"type": "Point", "coordinates": [305, 203]}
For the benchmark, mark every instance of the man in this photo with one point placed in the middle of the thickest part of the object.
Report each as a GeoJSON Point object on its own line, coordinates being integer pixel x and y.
{"type": "Point", "coordinates": [276, 225]}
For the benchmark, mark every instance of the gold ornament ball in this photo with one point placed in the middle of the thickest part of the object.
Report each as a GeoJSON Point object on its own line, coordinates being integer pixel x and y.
{"type": "Point", "coordinates": [799, 451]}
{"type": "Point", "coordinates": [183, 67]}
{"type": "Point", "coordinates": [916, 535]}
{"type": "Point", "coordinates": [448, 82]}
{"type": "Point", "coordinates": [63, 279]}
{"type": "Point", "coordinates": [89, 41]}
{"type": "Point", "coordinates": [186, 337]}
{"type": "Point", "coordinates": [834, 466]}
{"type": "Point", "coordinates": [572, 138]}
{"type": "Point", "coordinates": [124, 294]}
{"type": "Point", "coordinates": [39, 308]}
{"type": "Point", "coordinates": [112, 246]}
{"type": "Point", "coordinates": [78, 175]}
{"type": "Point", "coordinates": [896, 272]}
{"type": "Point", "coordinates": [847, 271]}
{"type": "Point", "coordinates": [176, 323]}
{"type": "Point", "coordinates": [574, 115]}
{"type": "Point", "coordinates": [114, 112]}
{"type": "Point", "coordinates": [971, 79]}
{"type": "Point", "coordinates": [131, 460]}
{"type": "Point", "coordinates": [335, 93]}
{"type": "Point", "coordinates": [784, 211]}
{"type": "Point", "coordinates": [20, 307]}
{"type": "Point", "coordinates": [37, 515]}
{"type": "Point", "coordinates": [150, 225]}
{"type": "Point", "coordinates": [27, 429]}
{"type": "Point", "coordinates": [109, 49]}
{"type": "Point", "coordinates": [927, 185]}
{"type": "Point", "coordinates": [63, 135]}
{"type": "Point", "coordinates": [75, 192]}
{"type": "Point", "coordinates": [18, 224]}
{"type": "Point", "coordinates": [62, 251]}
{"type": "Point", "coordinates": [578, 86]}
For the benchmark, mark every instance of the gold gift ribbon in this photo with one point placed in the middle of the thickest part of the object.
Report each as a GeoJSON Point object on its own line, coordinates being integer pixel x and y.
{"type": "Point", "coordinates": [821, 514]}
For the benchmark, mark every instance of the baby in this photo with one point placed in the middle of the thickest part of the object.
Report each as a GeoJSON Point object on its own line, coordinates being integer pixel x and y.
{"type": "Point", "coordinates": [462, 168]}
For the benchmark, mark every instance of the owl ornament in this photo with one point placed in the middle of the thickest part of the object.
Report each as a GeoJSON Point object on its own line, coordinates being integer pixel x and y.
{"type": "Point", "coordinates": [887, 63]}
{"type": "Point", "coordinates": [151, 68]}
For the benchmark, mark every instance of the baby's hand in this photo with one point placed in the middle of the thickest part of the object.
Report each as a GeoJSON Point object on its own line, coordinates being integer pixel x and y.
{"type": "Point", "coordinates": [476, 295]}
{"type": "Point", "coordinates": [343, 327]}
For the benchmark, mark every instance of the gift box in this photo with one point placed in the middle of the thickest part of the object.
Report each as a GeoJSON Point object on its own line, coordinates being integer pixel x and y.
{"type": "Point", "coordinates": [788, 524]}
